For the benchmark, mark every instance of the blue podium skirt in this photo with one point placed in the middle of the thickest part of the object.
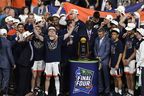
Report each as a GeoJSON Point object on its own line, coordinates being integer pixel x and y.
{"type": "Point", "coordinates": [83, 78]}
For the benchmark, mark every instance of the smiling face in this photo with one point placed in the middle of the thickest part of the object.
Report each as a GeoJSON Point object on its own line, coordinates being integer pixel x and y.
{"type": "Point", "coordinates": [52, 34]}
{"type": "Point", "coordinates": [20, 28]}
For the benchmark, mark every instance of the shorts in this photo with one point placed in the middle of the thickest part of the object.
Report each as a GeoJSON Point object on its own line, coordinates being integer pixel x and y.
{"type": "Point", "coordinates": [52, 69]}
{"type": "Point", "coordinates": [116, 72]}
{"type": "Point", "coordinates": [38, 66]}
{"type": "Point", "coordinates": [130, 68]}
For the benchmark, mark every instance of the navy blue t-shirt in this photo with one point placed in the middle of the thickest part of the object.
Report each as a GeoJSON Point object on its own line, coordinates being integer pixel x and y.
{"type": "Point", "coordinates": [38, 49]}
{"type": "Point", "coordinates": [130, 44]}
{"type": "Point", "coordinates": [116, 49]}
{"type": "Point", "coordinates": [53, 49]}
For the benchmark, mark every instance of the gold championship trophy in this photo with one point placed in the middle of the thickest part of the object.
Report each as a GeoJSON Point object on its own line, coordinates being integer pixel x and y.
{"type": "Point", "coordinates": [83, 48]}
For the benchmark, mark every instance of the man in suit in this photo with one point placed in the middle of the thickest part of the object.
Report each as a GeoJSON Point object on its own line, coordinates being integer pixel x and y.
{"type": "Point", "coordinates": [90, 33]}
{"type": "Point", "coordinates": [102, 51]}
{"type": "Point", "coordinates": [41, 9]}
{"type": "Point", "coordinates": [6, 61]}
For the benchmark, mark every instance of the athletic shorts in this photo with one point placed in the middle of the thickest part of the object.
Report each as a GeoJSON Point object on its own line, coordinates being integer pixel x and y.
{"type": "Point", "coordinates": [52, 69]}
{"type": "Point", "coordinates": [130, 68]}
{"type": "Point", "coordinates": [116, 72]}
{"type": "Point", "coordinates": [38, 66]}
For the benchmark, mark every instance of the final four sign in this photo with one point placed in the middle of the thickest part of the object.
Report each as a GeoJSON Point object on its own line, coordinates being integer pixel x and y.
{"type": "Point", "coordinates": [83, 80]}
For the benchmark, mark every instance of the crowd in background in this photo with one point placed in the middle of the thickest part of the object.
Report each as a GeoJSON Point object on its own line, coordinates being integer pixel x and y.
{"type": "Point", "coordinates": [35, 47]}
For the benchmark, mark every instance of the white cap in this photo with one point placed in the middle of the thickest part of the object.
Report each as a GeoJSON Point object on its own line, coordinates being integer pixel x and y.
{"type": "Point", "coordinates": [130, 26]}
{"type": "Point", "coordinates": [62, 21]}
{"type": "Point", "coordinates": [26, 34]}
{"type": "Point", "coordinates": [55, 15]}
{"type": "Point", "coordinates": [74, 11]}
{"type": "Point", "coordinates": [38, 18]}
{"type": "Point", "coordinates": [16, 21]}
{"type": "Point", "coordinates": [141, 31]}
{"type": "Point", "coordinates": [9, 18]}
{"type": "Point", "coordinates": [51, 28]}
{"type": "Point", "coordinates": [62, 15]}
{"type": "Point", "coordinates": [116, 30]}
{"type": "Point", "coordinates": [121, 9]}
{"type": "Point", "coordinates": [137, 14]}
{"type": "Point", "coordinates": [109, 17]}
{"type": "Point", "coordinates": [3, 31]}
{"type": "Point", "coordinates": [23, 17]}
{"type": "Point", "coordinates": [114, 22]}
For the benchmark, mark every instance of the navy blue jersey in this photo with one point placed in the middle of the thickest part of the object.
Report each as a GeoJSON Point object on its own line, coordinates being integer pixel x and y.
{"type": "Point", "coordinates": [130, 46]}
{"type": "Point", "coordinates": [53, 49]}
{"type": "Point", "coordinates": [116, 49]}
{"type": "Point", "coordinates": [38, 49]}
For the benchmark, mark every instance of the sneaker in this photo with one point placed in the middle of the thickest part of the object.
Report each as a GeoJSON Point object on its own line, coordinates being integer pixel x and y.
{"type": "Point", "coordinates": [129, 94]}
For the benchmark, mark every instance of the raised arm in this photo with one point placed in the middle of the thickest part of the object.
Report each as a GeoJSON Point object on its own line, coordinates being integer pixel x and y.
{"type": "Point", "coordinates": [60, 8]}
{"type": "Point", "coordinates": [68, 33]}
{"type": "Point", "coordinates": [41, 38]}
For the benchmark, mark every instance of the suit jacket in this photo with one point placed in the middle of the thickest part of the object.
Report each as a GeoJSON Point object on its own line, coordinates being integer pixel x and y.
{"type": "Point", "coordinates": [91, 41]}
{"type": "Point", "coordinates": [6, 57]}
{"type": "Point", "coordinates": [36, 10]}
{"type": "Point", "coordinates": [102, 51]}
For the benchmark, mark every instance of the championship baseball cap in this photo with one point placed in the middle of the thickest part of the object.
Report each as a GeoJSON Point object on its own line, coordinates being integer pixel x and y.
{"type": "Point", "coordinates": [120, 9]}
{"type": "Point", "coordinates": [115, 30]}
{"type": "Point", "coordinates": [130, 26]}
{"type": "Point", "coordinates": [109, 17]}
{"type": "Point", "coordinates": [74, 11]}
{"type": "Point", "coordinates": [114, 22]}
{"type": "Point", "coordinates": [3, 31]}
{"type": "Point", "coordinates": [56, 15]}
{"type": "Point", "coordinates": [9, 18]}
{"type": "Point", "coordinates": [51, 28]}
{"type": "Point", "coordinates": [27, 34]}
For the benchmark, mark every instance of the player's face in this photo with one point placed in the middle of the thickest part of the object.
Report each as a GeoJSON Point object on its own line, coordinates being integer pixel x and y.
{"type": "Point", "coordinates": [38, 29]}
{"type": "Point", "coordinates": [101, 34]}
{"type": "Point", "coordinates": [129, 33]}
{"type": "Point", "coordinates": [106, 21]}
{"type": "Point", "coordinates": [114, 35]}
{"type": "Point", "coordinates": [52, 33]}
{"type": "Point", "coordinates": [73, 16]}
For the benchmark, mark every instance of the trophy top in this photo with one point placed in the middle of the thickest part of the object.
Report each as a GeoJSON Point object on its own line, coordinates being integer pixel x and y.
{"type": "Point", "coordinates": [83, 40]}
